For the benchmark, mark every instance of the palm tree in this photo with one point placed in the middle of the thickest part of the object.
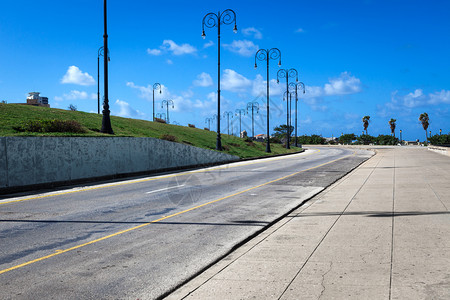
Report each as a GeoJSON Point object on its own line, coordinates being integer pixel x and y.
{"type": "Point", "coordinates": [425, 120]}
{"type": "Point", "coordinates": [392, 124]}
{"type": "Point", "coordinates": [366, 120]}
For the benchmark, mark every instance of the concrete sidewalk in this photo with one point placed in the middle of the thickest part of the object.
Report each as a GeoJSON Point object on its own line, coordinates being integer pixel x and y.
{"type": "Point", "coordinates": [381, 232]}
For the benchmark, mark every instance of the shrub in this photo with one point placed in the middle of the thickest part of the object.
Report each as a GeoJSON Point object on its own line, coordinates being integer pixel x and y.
{"type": "Point", "coordinates": [51, 126]}
{"type": "Point", "coordinates": [207, 129]}
{"type": "Point", "coordinates": [191, 125]}
{"type": "Point", "coordinates": [160, 120]}
{"type": "Point", "coordinates": [168, 137]}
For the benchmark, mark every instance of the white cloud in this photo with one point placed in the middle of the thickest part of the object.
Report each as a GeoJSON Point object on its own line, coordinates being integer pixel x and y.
{"type": "Point", "coordinates": [208, 44]}
{"type": "Point", "coordinates": [76, 95]}
{"type": "Point", "coordinates": [300, 30]}
{"type": "Point", "coordinates": [75, 76]}
{"type": "Point", "coordinates": [417, 99]}
{"type": "Point", "coordinates": [155, 52]}
{"type": "Point", "coordinates": [244, 47]}
{"type": "Point", "coordinates": [126, 111]}
{"type": "Point", "coordinates": [203, 79]}
{"type": "Point", "coordinates": [439, 97]}
{"type": "Point", "coordinates": [178, 49]}
{"type": "Point", "coordinates": [252, 31]}
{"type": "Point", "coordinates": [174, 48]}
{"type": "Point", "coordinates": [146, 92]}
{"type": "Point", "coordinates": [259, 87]}
{"type": "Point", "coordinates": [169, 62]}
{"type": "Point", "coordinates": [343, 85]}
{"type": "Point", "coordinates": [234, 82]}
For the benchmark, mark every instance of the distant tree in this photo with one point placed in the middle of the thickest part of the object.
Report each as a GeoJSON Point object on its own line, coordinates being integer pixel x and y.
{"type": "Point", "coordinates": [392, 124]}
{"type": "Point", "coordinates": [281, 131]}
{"type": "Point", "coordinates": [425, 120]}
{"type": "Point", "coordinates": [366, 121]}
{"type": "Point", "coordinates": [365, 139]}
{"type": "Point", "coordinates": [72, 107]}
{"type": "Point", "coordinates": [386, 140]}
{"type": "Point", "coordinates": [347, 138]}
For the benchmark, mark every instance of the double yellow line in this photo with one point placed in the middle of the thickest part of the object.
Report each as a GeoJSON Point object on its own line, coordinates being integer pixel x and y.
{"type": "Point", "coordinates": [58, 252]}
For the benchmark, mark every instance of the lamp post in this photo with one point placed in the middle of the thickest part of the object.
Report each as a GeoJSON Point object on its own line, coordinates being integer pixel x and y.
{"type": "Point", "coordinates": [253, 106]}
{"type": "Point", "coordinates": [440, 131]}
{"type": "Point", "coordinates": [401, 140]}
{"type": "Point", "coordinates": [99, 53]}
{"type": "Point", "coordinates": [302, 86]}
{"type": "Point", "coordinates": [167, 103]}
{"type": "Point", "coordinates": [106, 121]}
{"type": "Point", "coordinates": [267, 55]}
{"type": "Point", "coordinates": [211, 20]}
{"type": "Point", "coordinates": [240, 111]}
{"type": "Point", "coordinates": [215, 118]}
{"type": "Point", "coordinates": [228, 114]}
{"type": "Point", "coordinates": [208, 120]}
{"type": "Point", "coordinates": [285, 73]}
{"type": "Point", "coordinates": [161, 116]}
{"type": "Point", "coordinates": [155, 86]}
{"type": "Point", "coordinates": [288, 96]}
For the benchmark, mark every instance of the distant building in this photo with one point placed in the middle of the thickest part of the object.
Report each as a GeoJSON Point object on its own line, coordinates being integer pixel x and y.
{"type": "Point", "coordinates": [35, 99]}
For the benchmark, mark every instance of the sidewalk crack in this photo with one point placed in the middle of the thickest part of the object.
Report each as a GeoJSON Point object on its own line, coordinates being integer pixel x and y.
{"type": "Point", "coordinates": [323, 279]}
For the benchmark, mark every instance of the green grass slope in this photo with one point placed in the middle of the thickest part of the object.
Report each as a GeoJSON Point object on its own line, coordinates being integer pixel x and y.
{"type": "Point", "coordinates": [14, 115]}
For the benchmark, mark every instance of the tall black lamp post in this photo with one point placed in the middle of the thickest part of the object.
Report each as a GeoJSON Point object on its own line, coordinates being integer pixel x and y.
{"type": "Point", "coordinates": [267, 55]}
{"type": "Point", "coordinates": [401, 141]}
{"type": "Point", "coordinates": [228, 114]}
{"type": "Point", "coordinates": [155, 86]}
{"type": "Point", "coordinates": [295, 86]}
{"type": "Point", "coordinates": [167, 103]}
{"type": "Point", "coordinates": [211, 20]}
{"type": "Point", "coordinates": [288, 96]}
{"type": "Point", "coordinates": [253, 106]}
{"type": "Point", "coordinates": [240, 112]}
{"type": "Point", "coordinates": [285, 73]}
{"type": "Point", "coordinates": [100, 52]}
{"type": "Point", "coordinates": [106, 121]}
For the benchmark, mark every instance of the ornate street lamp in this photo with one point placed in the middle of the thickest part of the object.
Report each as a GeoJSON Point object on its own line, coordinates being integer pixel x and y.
{"type": "Point", "coordinates": [99, 53]}
{"type": "Point", "coordinates": [401, 141]}
{"type": "Point", "coordinates": [240, 111]}
{"type": "Point", "coordinates": [161, 116]}
{"type": "Point", "coordinates": [155, 86]}
{"type": "Point", "coordinates": [209, 120]}
{"type": "Point", "coordinates": [106, 121]}
{"type": "Point", "coordinates": [211, 20]}
{"type": "Point", "coordinates": [295, 86]}
{"type": "Point", "coordinates": [228, 114]}
{"type": "Point", "coordinates": [167, 103]}
{"type": "Point", "coordinates": [267, 55]}
{"type": "Point", "coordinates": [285, 73]}
{"type": "Point", "coordinates": [253, 106]}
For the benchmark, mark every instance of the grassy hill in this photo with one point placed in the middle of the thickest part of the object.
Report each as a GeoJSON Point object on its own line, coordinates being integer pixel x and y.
{"type": "Point", "coordinates": [15, 115]}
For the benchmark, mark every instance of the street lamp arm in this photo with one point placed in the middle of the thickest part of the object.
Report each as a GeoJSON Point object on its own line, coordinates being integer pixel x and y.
{"type": "Point", "coordinates": [157, 86]}
{"type": "Point", "coordinates": [293, 74]}
{"type": "Point", "coordinates": [302, 86]}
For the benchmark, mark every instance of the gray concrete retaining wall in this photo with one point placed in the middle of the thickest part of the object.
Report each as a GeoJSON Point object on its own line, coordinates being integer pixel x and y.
{"type": "Point", "coordinates": [26, 161]}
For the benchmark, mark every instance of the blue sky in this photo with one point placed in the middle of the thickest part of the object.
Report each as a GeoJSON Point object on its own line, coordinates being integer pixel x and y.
{"type": "Point", "coordinates": [385, 59]}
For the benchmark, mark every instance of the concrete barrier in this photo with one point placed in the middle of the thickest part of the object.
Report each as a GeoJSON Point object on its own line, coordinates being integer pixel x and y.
{"type": "Point", "coordinates": [440, 150]}
{"type": "Point", "coordinates": [29, 161]}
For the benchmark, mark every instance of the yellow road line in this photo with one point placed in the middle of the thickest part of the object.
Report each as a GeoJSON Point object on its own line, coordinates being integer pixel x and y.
{"type": "Point", "coordinates": [59, 251]}
{"type": "Point", "coordinates": [142, 180]}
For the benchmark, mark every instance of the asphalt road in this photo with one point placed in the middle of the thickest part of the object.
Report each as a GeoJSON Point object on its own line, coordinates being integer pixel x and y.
{"type": "Point", "coordinates": [139, 239]}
